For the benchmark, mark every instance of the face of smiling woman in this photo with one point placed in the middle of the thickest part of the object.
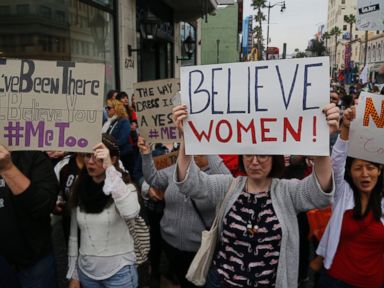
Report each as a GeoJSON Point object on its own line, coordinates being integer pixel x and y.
{"type": "Point", "coordinates": [364, 175]}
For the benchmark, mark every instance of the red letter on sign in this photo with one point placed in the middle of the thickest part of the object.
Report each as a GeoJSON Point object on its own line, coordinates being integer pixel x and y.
{"type": "Point", "coordinates": [218, 134]}
{"type": "Point", "coordinates": [251, 127]}
{"type": "Point", "coordinates": [265, 130]}
{"type": "Point", "coordinates": [288, 127]}
{"type": "Point", "coordinates": [371, 111]}
{"type": "Point", "coordinates": [200, 135]}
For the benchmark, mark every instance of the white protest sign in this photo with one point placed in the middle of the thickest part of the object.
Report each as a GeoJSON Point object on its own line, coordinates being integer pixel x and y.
{"type": "Point", "coordinates": [154, 110]}
{"type": "Point", "coordinates": [366, 135]}
{"type": "Point", "coordinates": [264, 107]}
{"type": "Point", "coordinates": [370, 15]}
{"type": "Point", "coordinates": [50, 105]}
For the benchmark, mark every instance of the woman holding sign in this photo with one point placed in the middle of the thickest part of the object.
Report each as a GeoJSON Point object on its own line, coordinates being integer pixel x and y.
{"type": "Point", "coordinates": [353, 243]}
{"type": "Point", "coordinates": [258, 239]}
{"type": "Point", "coordinates": [102, 200]}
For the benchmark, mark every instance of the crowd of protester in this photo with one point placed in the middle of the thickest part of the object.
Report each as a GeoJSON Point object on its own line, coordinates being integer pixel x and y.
{"type": "Point", "coordinates": [281, 220]}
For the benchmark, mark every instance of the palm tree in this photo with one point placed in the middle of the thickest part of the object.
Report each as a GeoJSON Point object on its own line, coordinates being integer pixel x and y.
{"type": "Point", "coordinates": [350, 19]}
{"type": "Point", "coordinates": [258, 5]}
{"type": "Point", "coordinates": [335, 31]}
{"type": "Point", "coordinates": [325, 37]}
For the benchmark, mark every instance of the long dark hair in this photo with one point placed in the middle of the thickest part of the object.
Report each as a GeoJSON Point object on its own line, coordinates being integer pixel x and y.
{"type": "Point", "coordinates": [87, 194]}
{"type": "Point", "coordinates": [374, 203]}
{"type": "Point", "coordinates": [277, 166]}
{"type": "Point", "coordinates": [128, 108]}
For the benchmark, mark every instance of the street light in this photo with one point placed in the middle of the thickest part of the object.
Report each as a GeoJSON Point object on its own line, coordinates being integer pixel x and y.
{"type": "Point", "coordinates": [269, 6]}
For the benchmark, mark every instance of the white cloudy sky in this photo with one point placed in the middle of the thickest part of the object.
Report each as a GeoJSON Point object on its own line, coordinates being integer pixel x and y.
{"type": "Point", "coordinates": [296, 25]}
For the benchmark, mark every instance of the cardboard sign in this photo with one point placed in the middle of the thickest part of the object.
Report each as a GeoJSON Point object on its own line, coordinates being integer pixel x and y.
{"type": "Point", "coordinates": [366, 135]}
{"type": "Point", "coordinates": [166, 160]}
{"type": "Point", "coordinates": [50, 105]}
{"type": "Point", "coordinates": [370, 15]}
{"type": "Point", "coordinates": [154, 109]}
{"type": "Point", "coordinates": [264, 107]}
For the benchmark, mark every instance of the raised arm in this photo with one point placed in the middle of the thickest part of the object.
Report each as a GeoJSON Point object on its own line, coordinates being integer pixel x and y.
{"type": "Point", "coordinates": [179, 115]}
{"type": "Point", "coordinates": [322, 164]}
{"type": "Point", "coordinates": [155, 178]}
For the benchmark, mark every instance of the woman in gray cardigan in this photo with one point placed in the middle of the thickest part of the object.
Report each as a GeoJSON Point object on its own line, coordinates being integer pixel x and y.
{"type": "Point", "coordinates": [258, 233]}
{"type": "Point", "coordinates": [181, 224]}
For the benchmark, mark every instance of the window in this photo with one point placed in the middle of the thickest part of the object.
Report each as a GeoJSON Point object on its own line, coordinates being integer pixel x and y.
{"type": "Point", "coordinates": [342, 1]}
{"type": "Point", "coordinates": [22, 9]}
{"type": "Point", "coordinates": [345, 27]}
{"type": "Point", "coordinates": [374, 53]}
{"type": "Point", "coordinates": [378, 52]}
{"type": "Point", "coordinates": [356, 36]}
{"type": "Point", "coordinates": [60, 16]}
{"type": "Point", "coordinates": [45, 11]}
{"type": "Point", "coordinates": [5, 10]}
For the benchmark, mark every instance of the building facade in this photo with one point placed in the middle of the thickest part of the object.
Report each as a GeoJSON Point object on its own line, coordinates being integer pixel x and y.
{"type": "Point", "coordinates": [340, 53]}
{"type": "Point", "coordinates": [137, 40]}
{"type": "Point", "coordinates": [219, 41]}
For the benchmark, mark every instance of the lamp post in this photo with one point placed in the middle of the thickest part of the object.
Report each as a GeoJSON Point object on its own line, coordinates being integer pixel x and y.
{"type": "Point", "coordinates": [269, 6]}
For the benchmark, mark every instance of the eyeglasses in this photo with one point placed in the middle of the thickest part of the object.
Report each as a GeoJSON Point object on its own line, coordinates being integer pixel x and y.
{"type": "Point", "coordinates": [108, 108]}
{"type": "Point", "coordinates": [260, 158]}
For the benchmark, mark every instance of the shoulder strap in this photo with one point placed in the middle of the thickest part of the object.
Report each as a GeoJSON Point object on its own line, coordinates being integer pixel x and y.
{"type": "Point", "coordinates": [199, 214]}
{"type": "Point", "coordinates": [112, 126]}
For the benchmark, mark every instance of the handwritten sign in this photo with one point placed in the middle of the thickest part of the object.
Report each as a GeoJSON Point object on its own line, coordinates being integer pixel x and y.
{"type": "Point", "coordinates": [154, 108]}
{"type": "Point", "coordinates": [48, 105]}
{"type": "Point", "coordinates": [166, 160]}
{"type": "Point", "coordinates": [264, 107]}
{"type": "Point", "coordinates": [366, 136]}
{"type": "Point", "coordinates": [370, 15]}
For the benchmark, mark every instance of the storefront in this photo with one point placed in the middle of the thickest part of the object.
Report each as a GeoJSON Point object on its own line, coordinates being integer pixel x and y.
{"type": "Point", "coordinates": [155, 39]}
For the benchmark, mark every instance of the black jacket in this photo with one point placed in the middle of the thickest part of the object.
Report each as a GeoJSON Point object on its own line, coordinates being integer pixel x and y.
{"type": "Point", "coordinates": [25, 218]}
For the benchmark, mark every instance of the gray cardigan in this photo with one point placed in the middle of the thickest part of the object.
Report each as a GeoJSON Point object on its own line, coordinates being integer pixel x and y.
{"type": "Point", "coordinates": [180, 225]}
{"type": "Point", "coordinates": [289, 197]}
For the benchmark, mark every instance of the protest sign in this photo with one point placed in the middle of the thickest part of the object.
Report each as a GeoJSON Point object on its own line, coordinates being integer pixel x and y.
{"type": "Point", "coordinates": [154, 109]}
{"type": "Point", "coordinates": [264, 107]}
{"type": "Point", "coordinates": [166, 160]}
{"type": "Point", "coordinates": [370, 15]}
{"type": "Point", "coordinates": [366, 135]}
{"type": "Point", "coordinates": [50, 105]}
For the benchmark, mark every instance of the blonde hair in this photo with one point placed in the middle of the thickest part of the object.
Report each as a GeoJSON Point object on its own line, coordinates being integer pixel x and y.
{"type": "Point", "coordinates": [119, 108]}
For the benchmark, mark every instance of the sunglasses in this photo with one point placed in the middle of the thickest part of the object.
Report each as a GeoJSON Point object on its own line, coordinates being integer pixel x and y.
{"type": "Point", "coordinates": [108, 108]}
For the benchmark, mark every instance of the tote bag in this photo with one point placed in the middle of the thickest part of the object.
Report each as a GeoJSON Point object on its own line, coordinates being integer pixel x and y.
{"type": "Point", "coordinates": [140, 234]}
{"type": "Point", "coordinates": [198, 270]}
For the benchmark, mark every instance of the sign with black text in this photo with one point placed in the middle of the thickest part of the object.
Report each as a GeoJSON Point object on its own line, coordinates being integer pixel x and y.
{"type": "Point", "coordinates": [154, 110]}
{"type": "Point", "coordinates": [48, 105]}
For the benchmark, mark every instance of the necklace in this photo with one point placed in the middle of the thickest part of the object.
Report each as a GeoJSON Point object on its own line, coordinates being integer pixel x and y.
{"type": "Point", "coordinates": [251, 227]}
